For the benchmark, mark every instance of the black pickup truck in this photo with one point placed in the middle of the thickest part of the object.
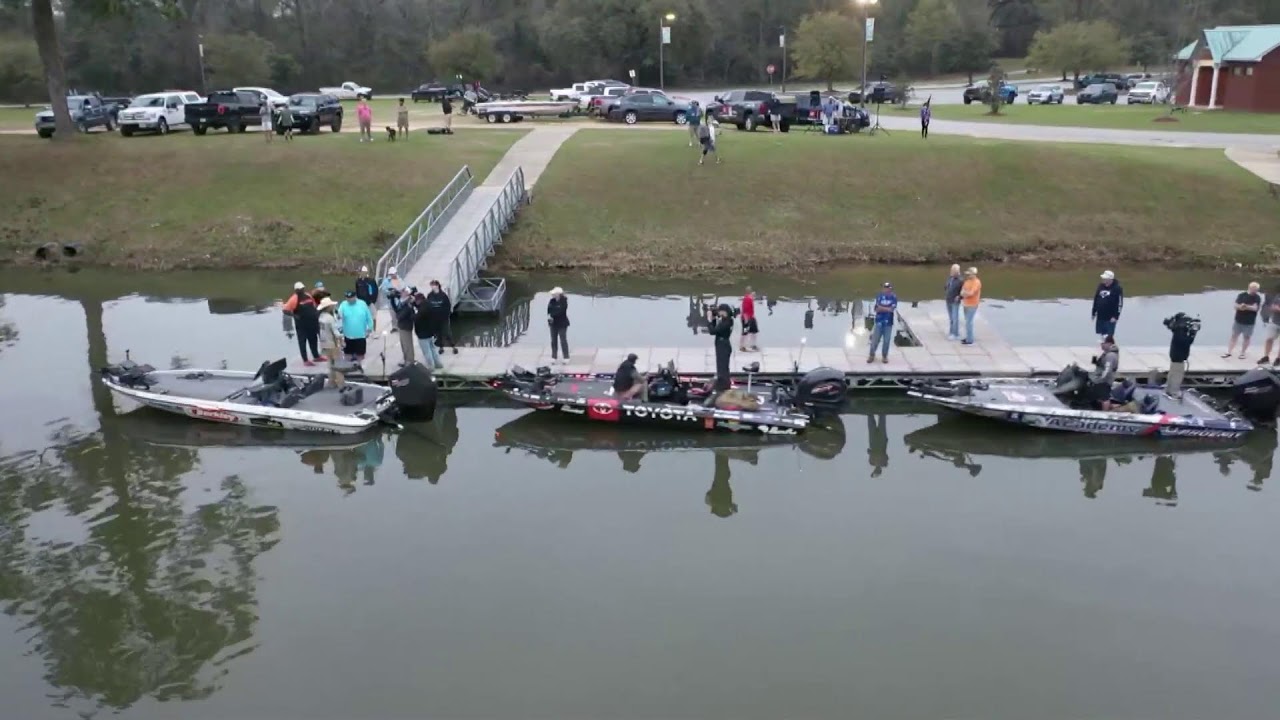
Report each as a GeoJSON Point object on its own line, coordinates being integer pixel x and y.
{"type": "Point", "coordinates": [224, 109]}
{"type": "Point", "coordinates": [749, 109]}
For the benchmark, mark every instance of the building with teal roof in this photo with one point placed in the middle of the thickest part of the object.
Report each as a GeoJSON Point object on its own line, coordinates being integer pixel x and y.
{"type": "Point", "coordinates": [1234, 67]}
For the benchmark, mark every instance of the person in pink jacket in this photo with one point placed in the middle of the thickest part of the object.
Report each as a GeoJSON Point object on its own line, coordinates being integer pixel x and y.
{"type": "Point", "coordinates": [365, 115]}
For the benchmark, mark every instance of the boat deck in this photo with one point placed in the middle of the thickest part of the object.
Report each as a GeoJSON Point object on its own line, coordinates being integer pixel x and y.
{"type": "Point", "coordinates": [933, 357]}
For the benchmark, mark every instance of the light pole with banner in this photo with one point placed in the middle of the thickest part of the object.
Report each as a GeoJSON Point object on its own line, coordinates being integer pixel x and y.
{"type": "Point", "coordinates": [782, 43]}
{"type": "Point", "coordinates": [868, 28]}
{"type": "Point", "coordinates": [204, 85]}
{"type": "Point", "coordinates": [664, 39]}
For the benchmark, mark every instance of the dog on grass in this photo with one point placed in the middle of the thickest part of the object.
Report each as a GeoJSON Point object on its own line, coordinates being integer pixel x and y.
{"type": "Point", "coordinates": [391, 134]}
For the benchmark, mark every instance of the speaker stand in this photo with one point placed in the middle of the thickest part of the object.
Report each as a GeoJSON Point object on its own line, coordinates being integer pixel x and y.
{"type": "Point", "coordinates": [877, 125]}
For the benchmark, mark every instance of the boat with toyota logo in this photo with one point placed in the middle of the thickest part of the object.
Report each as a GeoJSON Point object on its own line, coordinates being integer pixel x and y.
{"type": "Point", "coordinates": [1062, 404]}
{"type": "Point", "coordinates": [677, 402]}
{"type": "Point", "coordinates": [272, 399]}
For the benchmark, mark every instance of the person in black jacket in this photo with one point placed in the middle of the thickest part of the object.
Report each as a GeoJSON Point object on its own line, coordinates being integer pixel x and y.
{"type": "Point", "coordinates": [558, 321]}
{"type": "Point", "coordinates": [1108, 301]}
{"type": "Point", "coordinates": [367, 290]}
{"type": "Point", "coordinates": [441, 308]}
{"type": "Point", "coordinates": [306, 322]}
{"type": "Point", "coordinates": [722, 331]}
{"type": "Point", "coordinates": [425, 325]}
{"type": "Point", "coordinates": [405, 312]}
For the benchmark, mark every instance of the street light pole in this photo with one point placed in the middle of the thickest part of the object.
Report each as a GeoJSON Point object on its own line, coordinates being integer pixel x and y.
{"type": "Point", "coordinates": [782, 43]}
{"type": "Point", "coordinates": [662, 40]}
{"type": "Point", "coordinates": [204, 85]}
{"type": "Point", "coordinates": [862, 94]}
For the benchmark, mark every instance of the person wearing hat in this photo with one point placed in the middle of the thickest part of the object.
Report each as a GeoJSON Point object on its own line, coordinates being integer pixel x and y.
{"type": "Point", "coordinates": [426, 325]}
{"type": "Point", "coordinates": [1104, 372]}
{"type": "Point", "coordinates": [319, 292]}
{"type": "Point", "coordinates": [558, 321]}
{"type": "Point", "coordinates": [355, 322]}
{"type": "Point", "coordinates": [627, 381]}
{"type": "Point", "coordinates": [330, 343]}
{"type": "Point", "coordinates": [882, 331]}
{"type": "Point", "coordinates": [391, 287]}
{"type": "Point", "coordinates": [750, 328]}
{"type": "Point", "coordinates": [722, 331]}
{"type": "Point", "coordinates": [366, 288]}
{"type": "Point", "coordinates": [405, 311]}
{"type": "Point", "coordinates": [970, 297]}
{"type": "Point", "coordinates": [1108, 301]}
{"type": "Point", "coordinates": [306, 322]}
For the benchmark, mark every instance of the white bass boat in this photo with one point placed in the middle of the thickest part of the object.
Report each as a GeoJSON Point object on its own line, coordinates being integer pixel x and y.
{"type": "Point", "coordinates": [516, 110]}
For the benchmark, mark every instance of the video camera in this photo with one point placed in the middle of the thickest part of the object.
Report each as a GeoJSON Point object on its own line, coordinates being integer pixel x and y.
{"type": "Point", "coordinates": [1183, 324]}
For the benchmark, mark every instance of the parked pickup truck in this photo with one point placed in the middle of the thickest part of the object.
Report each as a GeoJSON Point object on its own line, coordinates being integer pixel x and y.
{"type": "Point", "coordinates": [749, 109]}
{"type": "Point", "coordinates": [981, 92]}
{"type": "Point", "coordinates": [230, 109]}
{"type": "Point", "coordinates": [311, 111]}
{"type": "Point", "coordinates": [599, 100]}
{"type": "Point", "coordinates": [157, 112]}
{"type": "Point", "coordinates": [87, 112]}
{"type": "Point", "coordinates": [348, 91]}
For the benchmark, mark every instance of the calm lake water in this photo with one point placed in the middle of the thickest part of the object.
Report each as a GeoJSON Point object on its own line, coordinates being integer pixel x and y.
{"type": "Point", "coordinates": [490, 564]}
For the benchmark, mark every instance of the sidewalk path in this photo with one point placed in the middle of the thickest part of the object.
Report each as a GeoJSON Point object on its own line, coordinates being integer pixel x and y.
{"type": "Point", "coordinates": [1106, 136]}
{"type": "Point", "coordinates": [1263, 163]}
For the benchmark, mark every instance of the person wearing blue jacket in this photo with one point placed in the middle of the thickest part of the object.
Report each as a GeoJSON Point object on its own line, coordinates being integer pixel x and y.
{"type": "Point", "coordinates": [882, 334]}
{"type": "Point", "coordinates": [356, 322]}
{"type": "Point", "coordinates": [1108, 301]}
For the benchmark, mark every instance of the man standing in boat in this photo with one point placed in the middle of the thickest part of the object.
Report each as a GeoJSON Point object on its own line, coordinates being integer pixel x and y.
{"type": "Point", "coordinates": [722, 331]}
{"type": "Point", "coordinates": [749, 327]}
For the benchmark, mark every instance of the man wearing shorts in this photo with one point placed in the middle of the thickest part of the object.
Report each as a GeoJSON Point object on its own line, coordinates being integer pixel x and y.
{"type": "Point", "coordinates": [1271, 320]}
{"type": "Point", "coordinates": [1247, 305]}
{"type": "Point", "coordinates": [775, 114]}
{"type": "Point", "coordinates": [446, 107]}
{"type": "Point", "coordinates": [402, 120]}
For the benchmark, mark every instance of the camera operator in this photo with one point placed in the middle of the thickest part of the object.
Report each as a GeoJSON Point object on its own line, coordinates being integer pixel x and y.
{"type": "Point", "coordinates": [1184, 329]}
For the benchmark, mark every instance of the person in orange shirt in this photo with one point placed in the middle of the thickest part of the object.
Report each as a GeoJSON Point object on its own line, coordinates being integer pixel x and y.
{"type": "Point", "coordinates": [970, 296]}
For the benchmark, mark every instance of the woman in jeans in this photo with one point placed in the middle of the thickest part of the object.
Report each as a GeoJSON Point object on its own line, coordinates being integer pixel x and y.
{"type": "Point", "coordinates": [558, 321]}
{"type": "Point", "coordinates": [951, 293]}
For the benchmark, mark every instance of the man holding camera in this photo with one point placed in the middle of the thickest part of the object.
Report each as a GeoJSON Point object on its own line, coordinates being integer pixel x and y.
{"type": "Point", "coordinates": [1271, 324]}
{"type": "Point", "coordinates": [1184, 329]}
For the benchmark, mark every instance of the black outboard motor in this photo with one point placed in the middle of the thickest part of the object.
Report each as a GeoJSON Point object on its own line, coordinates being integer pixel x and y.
{"type": "Point", "coordinates": [822, 389]}
{"type": "Point", "coordinates": [130, 374]}
{"type": "Point", "coordinates": [1257, 395]}
{"type": "Point", "coordinates": [1070, 381]}
{"type": "Point", "coordinates": [415, 392]}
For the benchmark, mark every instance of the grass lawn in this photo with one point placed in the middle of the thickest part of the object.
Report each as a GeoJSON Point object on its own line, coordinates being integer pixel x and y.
{"type": "Point", "coordinates": [797, 202]}
{"type": "Point", "coordinates": [1119, 116]}
{"type": "Point", "coordinates": [226, 201]}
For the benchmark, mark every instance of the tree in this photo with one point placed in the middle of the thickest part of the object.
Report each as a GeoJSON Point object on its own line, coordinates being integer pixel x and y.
{"type": "Point", "coordinates": [21, 76]}
{"type": "Point", "coordinates": [469, 53]}
{"type": "Point", "coordinates": [824, 46]}
{"type": "Point", "coordinates": [1077, 46]}
{"type": "Point", "coordinates": [994, 82]}
{"type": "Point", "coordinates": [242, 60]}
{"type": "Point", "coordinates": [1148, 49]}
{"type": "Point", "coordinates": [55, 75]}
{"type": "Point", "coordinates": [930, 27]}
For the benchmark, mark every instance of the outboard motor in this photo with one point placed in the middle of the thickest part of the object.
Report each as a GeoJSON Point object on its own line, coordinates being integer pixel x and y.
{"type": "Point", "coordinates": [130, 374]}
{"type": "Point", "coordinates": [1257, 394]}
{"type": "Point", "coordinates": [822, 389]}
{"type": "Point", "coordinates": [415, 391]}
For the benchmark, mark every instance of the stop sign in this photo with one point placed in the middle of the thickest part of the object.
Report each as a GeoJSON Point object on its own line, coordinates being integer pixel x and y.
{"type": "Point", "coordinates": [770, 68]}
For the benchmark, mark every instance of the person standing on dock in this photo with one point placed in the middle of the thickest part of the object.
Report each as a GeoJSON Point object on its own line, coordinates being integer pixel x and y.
{"type": "Point", "coordinates": [558, 322]}
{"type": "Point", "coordinates": [749, 326]}
{"type": "Point", "coordinates": [1271, 320]}
{"type": "Point", "coordinates": [441, 309]}
{"type": "Point", "coordinates": [356, 321]}
{"type": "Point", "coordinates": [882, 332]}
{"type": "Point", "coordinates": [951, 293]}
{"type": "Point", "coordinates": [405, 311]}
{"type": "Point", "coordinates": [1247, 305]}
{"type": "Point", "coordinates": [1108, 301]}
{"type": "Point", "coordinates": [367, 289]}
{"type": "Point", "coordinates": [722, 330]}
{"type": "Point", "coordinates": [392, 286]}
{"type": "Point", "coordinates": [970, 297]}
{"type": "Point", "coordinates": [426, 325]}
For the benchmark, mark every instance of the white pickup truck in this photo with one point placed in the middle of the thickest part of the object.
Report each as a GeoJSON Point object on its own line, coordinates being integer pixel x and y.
{"type": "Point", "coordinates": [156, 112]}
{"type": "Point", "coordinates": [348, 91]}
{"type": "Point", "coordinates": [569, 93]}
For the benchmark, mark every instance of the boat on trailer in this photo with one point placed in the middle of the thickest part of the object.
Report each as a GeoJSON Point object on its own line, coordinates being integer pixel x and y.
{"type": "Point", "coordinates": [274, 399]}
{"type": "Point", "coordinates": [509, 111]}
{"type": "Point", "coordinates": [679, 403]}
{"type": "Point", "coordinates": [1062, 404]}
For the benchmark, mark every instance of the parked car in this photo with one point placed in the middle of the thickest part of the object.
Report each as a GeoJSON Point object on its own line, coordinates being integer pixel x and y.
{"type": "Point", "coordinates": [1115, 79]}
{"type": "Point", "coordinates": [749, 109]}
{"type": "Point", "coordinates": [312, 111]}
{"type": "Point", "coordinates": [981, 92]}
{"type": "Point", "coordinates": [1150, 92]}
{"type": "Point", "coordinates": [348, 91]}
{"type": "Point", "coordinates": [642, 107]}
{"type": "Point", "coordinates": [231, 109]}
{"type": "Point", "coordinates": [429, 92]}
{"type": "Point", "coordinates": [156, 112]}
{"type": "Point", "coordinates": [266, 95]}
{"type": "Point", "coordinates": [87, 112]}
{"type": "Point", "coordinates": [877, 93]}
{"type": "Point", "coordinates": [1132, 79]}
{"type": "Point", "coordinates": [595, 104]}
{"type": "Point", "coordinates": [1097, 94]}
{"type": "Point", "coordinates": [113, 104]}
{"type": "Point", "coordinates": [611, 103]}
{"type": "Point", "coordinates": [1046, 95]}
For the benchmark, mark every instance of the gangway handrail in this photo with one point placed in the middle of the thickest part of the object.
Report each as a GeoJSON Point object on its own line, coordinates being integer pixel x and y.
{"type": "Point", "coordinates": [475, 251]}
{"type": "Point", "coordinates": [416, 238]}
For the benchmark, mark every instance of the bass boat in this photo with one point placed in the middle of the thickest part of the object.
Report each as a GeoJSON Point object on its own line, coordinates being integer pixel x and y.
{"type": "Point", "coordinates": [274, 399]}
{"type": "Point", "coordinates": [1063, 404]}
{"type": "Point", "coordinates": [675, 402]}
{"type": "Point", "coordinates": [516, 110]}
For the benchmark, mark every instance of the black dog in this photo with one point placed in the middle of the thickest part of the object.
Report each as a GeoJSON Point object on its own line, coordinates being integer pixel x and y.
{"type": "Point", "coordinates": [391, 134]}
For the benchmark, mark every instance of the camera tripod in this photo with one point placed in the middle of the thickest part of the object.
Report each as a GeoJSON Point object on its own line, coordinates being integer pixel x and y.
{"type": "Point", "coordinates": [877, 126]}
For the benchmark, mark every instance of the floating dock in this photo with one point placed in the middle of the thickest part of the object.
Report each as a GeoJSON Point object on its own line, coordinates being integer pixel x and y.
{"type": "Point", "coordinates": [930, 356]}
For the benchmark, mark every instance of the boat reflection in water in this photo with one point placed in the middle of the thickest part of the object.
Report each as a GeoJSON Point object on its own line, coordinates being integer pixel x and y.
{"type": "Point", "coordinates": [556, 439]}
{"type": "Point", "coordinates": [958, 441]}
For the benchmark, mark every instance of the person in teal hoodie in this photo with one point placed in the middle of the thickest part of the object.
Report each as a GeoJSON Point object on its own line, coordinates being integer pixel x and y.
{"type": "Point", "coordinates": [356, 322]}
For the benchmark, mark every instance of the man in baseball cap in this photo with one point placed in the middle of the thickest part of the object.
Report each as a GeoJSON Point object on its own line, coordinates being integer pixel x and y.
{"type": "Point", "coordinates": [1108, 301]}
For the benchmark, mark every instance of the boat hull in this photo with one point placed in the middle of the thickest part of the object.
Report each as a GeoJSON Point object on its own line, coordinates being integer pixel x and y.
{"type": "Point", "coordinates": [258, 416]}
